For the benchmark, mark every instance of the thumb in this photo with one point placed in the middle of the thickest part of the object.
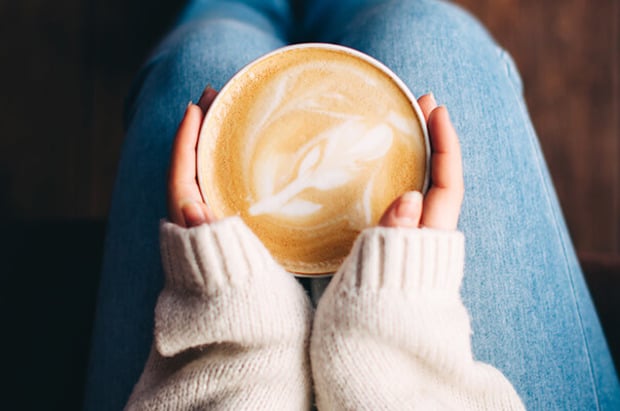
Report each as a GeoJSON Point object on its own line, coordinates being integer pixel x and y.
{"type": "Point", "coordinates": [196, 213]}
{"type": "Point", "coordinates": [405, 211]}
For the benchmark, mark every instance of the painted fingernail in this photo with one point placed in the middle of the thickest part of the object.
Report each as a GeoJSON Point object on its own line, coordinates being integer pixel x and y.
{"type": "Point", "coordinates": [207, 90]}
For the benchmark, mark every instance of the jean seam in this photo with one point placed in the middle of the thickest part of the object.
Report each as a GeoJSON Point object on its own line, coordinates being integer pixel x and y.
{"type": "Point", "coordinates": [545, 185]}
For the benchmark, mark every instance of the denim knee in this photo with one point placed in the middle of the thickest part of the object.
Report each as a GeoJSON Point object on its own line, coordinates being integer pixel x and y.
{"type": "Point", "coordinates": [413, 19]}
{"type": "Point", "coordinates": [205, 51]}
{"type": "Point", "coordinates": [511, 69]}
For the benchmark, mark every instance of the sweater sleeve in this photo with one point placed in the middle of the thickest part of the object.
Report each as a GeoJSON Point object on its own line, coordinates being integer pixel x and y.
{"type": "Point", "coordinates": [391, 332]}
{"type": "Point", "coordinates": [231, 327]}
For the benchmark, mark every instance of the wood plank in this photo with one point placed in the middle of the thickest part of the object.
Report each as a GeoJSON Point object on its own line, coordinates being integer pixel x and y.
{"type": "Point", "coordinates": [615, 108]}
{"type": "Point", "coordinates": [123, 37]}
{"type": "Point", "coordinates": [67, 67]}
{"type": "Point", "coordinates": [568, 56]}
{"type": "Point", "coordinates": [43, 108]}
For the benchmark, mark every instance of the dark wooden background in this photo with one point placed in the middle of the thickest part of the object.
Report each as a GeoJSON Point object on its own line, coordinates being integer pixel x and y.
{"type": "Point", "coordinates": [66, 66]}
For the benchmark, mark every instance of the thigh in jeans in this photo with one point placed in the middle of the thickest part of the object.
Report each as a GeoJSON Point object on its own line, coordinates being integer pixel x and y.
{"type": "Point", "coordinates": [531, 311]}
{"type": "Point", "coordinates": [208, 47]}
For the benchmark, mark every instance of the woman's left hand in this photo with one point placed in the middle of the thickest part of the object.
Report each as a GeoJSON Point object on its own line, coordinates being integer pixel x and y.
{"type": "Point", "coordinates": [185, 205]}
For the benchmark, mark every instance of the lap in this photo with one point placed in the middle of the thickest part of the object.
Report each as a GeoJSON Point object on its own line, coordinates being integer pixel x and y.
{"type": "Point", "coordinates": [531, 311]}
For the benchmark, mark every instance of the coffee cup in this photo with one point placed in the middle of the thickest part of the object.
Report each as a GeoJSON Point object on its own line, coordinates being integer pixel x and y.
{"type": "Point", "coordinates": [309, 144]}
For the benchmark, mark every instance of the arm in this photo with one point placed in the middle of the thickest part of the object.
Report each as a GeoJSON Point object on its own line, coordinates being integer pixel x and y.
{"type": "Point", "coordinates": [231, 326]}
{"type": "Point", "coordinates": [391, 332]}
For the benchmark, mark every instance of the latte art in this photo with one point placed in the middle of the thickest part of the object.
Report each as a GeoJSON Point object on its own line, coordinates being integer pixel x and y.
{"type": "Point", "coordinates": [332, 159]}
{"type": "Point", "coordinates": [309, 146]}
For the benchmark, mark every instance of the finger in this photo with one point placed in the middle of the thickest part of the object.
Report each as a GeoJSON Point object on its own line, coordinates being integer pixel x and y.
{"type": "Point", "coordinates": [446, 160]}
{"type": "Point", "coordinates": [442, 203]}
{"type": "Point", "coordinates": [182, 185]}
{"type": "Point", "coordinates": [427, 104]}
{"type": "Point", "coordinates": [196, 213]}
{"type": "Point", "coordinates": [405, 211]}
{"type": "Point", "coordinates": [206, 99]}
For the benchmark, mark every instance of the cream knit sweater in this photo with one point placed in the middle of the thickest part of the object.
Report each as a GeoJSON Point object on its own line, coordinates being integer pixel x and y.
{"type": "Point", "coordinates": [234, 331]}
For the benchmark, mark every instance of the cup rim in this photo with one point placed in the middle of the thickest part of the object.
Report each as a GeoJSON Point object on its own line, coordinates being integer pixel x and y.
{"type": "Point", "coordinates": [323, 46]}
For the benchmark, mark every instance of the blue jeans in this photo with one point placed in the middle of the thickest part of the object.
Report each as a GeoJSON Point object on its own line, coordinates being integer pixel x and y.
{"type": "Point", "coordinates": [531, 311]}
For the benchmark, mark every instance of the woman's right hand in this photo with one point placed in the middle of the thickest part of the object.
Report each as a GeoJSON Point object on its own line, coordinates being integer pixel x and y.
{"type": "Point", "coordinates": [185, 205]}
{"type": "Point", "coordinates": [441, 206]}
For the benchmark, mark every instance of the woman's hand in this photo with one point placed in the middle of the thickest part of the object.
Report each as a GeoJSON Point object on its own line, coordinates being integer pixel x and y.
{"type": "Point", "coordinates": [185, 205]}
{"type": "Point", "coordinates": [441, 207]}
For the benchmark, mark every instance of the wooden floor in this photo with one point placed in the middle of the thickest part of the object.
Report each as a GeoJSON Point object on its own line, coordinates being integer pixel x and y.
{"type": "Point", "coordinates": [66, 66]}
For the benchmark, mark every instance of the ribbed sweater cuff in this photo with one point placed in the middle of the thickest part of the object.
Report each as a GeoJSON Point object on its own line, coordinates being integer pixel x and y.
{"type": "Point", "coordinates": [222, 285]}
{"type": "Point", "coordinates": [407, 259]}
{"type": "Point", "coordinates": [207, 258]}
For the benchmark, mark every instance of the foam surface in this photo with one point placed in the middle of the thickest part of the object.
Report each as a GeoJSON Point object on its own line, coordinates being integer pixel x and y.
{"type": "Point", "coordinates": [310, 147]}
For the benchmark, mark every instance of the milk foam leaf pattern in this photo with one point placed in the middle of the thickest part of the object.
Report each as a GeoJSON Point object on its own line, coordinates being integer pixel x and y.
{"type": "Point", "coordinates": [400, 123]}
{"type": "Point", "coordinates": [373, 145]}
{"type": "Point", "coordinates": [298, 208]}
{"type": "Point", "coordinates": [312, 100]}
{"type": "Point", "coordinates": [346, 148]}
{"type": "Point", "coordinates": [311, 159]}
{"type": "Point", "coordinates": [330, 178]}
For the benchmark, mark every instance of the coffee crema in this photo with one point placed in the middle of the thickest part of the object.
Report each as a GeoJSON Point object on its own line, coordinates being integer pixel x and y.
{"type": "Point", "coordinates": [309, 145]}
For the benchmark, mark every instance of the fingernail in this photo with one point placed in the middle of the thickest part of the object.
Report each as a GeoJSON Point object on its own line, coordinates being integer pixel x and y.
{"type": "Point", "coordinates": [446, 110]}
{"type": "Point", "coordinates": [410, 204]}
{"type": "Point", "coordinates": [189, 104]}
{"type": "Point", "coordinates": [198, 209]}
{"type": "Point", "coordinates": [432, 97]}
{"type": "Point", "coordinates": [206, 90]}
{"type": "Point", "coordinates": [193, 214]}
